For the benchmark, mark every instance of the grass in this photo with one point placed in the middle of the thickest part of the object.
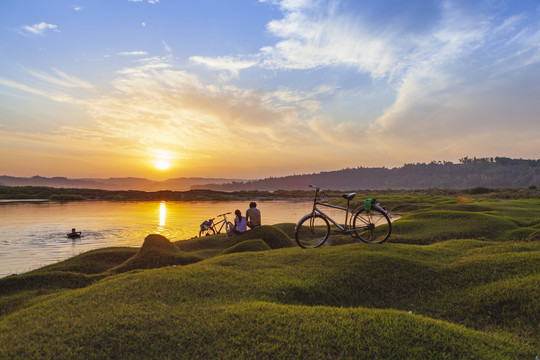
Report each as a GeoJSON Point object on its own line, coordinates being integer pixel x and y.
{"type": "Point", "coordinates": [471, 293]}
{"type": "Point", "coordinates": [248, 245]}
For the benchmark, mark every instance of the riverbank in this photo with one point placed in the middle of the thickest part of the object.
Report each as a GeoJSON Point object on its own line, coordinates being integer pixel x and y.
{"type": "Point", "coordinates": [471, 292]}
{"type": "Point", "coordinates": [63, 194]}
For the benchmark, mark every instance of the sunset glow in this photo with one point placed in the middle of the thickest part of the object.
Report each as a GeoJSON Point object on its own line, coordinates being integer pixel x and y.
{"type": "Point", "coordinates": [162, 165]}
{"type": "Point", "coordinates": [252, 89]}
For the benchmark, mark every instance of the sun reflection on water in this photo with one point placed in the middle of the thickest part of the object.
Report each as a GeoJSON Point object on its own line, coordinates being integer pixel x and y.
{"type": "Point", "coordinates": [33, 235]}
{"type": "Point", "coordinates": [162, 219]}
{"type": "Point", "coordinates": [162, 213]}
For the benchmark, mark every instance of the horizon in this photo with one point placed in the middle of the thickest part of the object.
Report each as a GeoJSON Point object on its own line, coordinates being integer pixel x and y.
{"type": "Point", "coordinates": [264, 88]}
{"type": "Point", "coordinates": [439, 162]}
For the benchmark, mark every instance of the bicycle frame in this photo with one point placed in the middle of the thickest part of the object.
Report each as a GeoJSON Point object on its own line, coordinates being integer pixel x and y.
{"type": "Point", "coordinates": [214, 225]}
{"type": "Point", "coordinates": [314, 229]}
{"type": "Point", "coordinates": [316, 210]}
{"type": "Point", "coordinates": [222, 222]}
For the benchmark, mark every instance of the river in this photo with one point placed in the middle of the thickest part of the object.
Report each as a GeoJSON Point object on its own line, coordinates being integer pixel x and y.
{"type": "Point", "coordinates": [34, 234]}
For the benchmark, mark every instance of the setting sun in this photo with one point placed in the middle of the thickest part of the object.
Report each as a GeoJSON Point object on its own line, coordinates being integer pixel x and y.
{"type": "Point", "coordinates": [162, 164]}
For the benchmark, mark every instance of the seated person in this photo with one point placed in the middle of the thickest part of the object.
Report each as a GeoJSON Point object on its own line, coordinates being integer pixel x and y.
{"type": "Point", "coordinates": [240, 223]}
{"type": "Point", "coordinates": [253, 216]}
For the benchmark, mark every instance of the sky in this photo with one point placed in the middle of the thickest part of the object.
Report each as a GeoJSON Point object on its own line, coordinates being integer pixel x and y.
{"type": "Point", "coordinates": [250, 89]}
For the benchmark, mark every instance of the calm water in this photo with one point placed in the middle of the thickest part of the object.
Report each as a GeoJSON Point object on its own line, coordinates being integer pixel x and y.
{"type": "Point", "coordinates": [34, 234]}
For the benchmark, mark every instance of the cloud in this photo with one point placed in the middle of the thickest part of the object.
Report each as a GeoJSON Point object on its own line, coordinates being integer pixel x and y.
{"type": "Point", "coordinates": [132, 53]}
{"type": "Point", "coordinates": [149, 1]}
{"type": "Point", "coordinates": [155, 105]}
{"type": "Point", "coordinates": [227, 63]}
{"type": "Point", "coordinates": [60, 79]}
{"type": "Point", "coordinates": [378, 92]}
{"type": "Point", "coordinates": [57, 96]}
{"type": "Point", "coordinates": [40, 29]}
{"type": "Point", "coordinates": [166, 47]}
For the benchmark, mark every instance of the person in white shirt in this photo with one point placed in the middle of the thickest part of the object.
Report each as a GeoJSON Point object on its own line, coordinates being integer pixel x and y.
{"type": "Point", "coordinates": [240, 223]}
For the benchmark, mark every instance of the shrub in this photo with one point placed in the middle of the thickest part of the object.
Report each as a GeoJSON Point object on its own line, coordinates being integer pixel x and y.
{"type": "Point", "coordinates": [66, 197]}
{"type": "Point", "coordinates": [478, 190]}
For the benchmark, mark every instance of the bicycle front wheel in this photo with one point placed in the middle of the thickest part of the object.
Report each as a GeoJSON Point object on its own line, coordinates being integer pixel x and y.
{"type": "Point", "coordinates": [312, 231]}
{"type": "Point", "coordinates": [373, 227]}
{"type": "Point", "coordinates": [206, 232]}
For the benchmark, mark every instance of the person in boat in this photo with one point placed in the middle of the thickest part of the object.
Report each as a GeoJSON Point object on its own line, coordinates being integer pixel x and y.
{"type": "Point", "coordinates": [74, 233]}
{"type": "Point", "coordinates": [240, 223]}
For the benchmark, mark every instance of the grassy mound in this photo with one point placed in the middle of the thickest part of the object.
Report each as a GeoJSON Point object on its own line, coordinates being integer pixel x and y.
{"type": "Point", "coordinates": [328, 302]}
{"type": "Point", "coordinates": [210, 246]}
{"type": "Point", "coordinates": [156, 251]}
{"type": "Point", "coordinates": [513, 304]}
{"type": "Point", "coordinates": [274, 237]}
{"type": "Point", "coordinates": [248, 245]}
{"type": "Point", "coordinates": [94, 261]}
{"type": "Point", "coordinates": [471, 294]}
{"type": "Point", "coordinates": [260, 330]}
{"type": "Point", "coordinates": [535, 236]}
{"type": "Point", "coordinates": [43, 281]}
{"type": "Point", "coordinates": [438, 225]}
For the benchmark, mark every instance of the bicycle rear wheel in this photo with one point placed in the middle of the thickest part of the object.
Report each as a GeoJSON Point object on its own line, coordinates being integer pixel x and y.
{"type": "Point", "coordinates": [206, 232]}
{"type": "Point", "coordinates": [374, 227]}
{"type": "Point", "coordinates": [312, 231]}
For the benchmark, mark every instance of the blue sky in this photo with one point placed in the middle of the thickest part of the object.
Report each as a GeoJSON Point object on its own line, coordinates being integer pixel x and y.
{"type": "Point", "coordinates": [250, 89]}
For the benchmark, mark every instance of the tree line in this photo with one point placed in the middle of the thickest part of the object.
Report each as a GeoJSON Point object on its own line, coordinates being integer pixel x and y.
{"type": "Point", "coordinates": [493, 172]}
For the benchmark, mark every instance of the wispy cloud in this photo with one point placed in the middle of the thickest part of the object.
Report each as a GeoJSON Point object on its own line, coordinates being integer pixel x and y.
{"type": "Point", "coordinates": [154, 105]}
{"type": "Point", "coordinates": [60, 78]}
{"type": "Point", "coordinates": [133, 53]}
{"type": "Point", "coordinates": [39, 29]}
{"type": "Point", "coordinates": [226, 63]}
{"type": "Point", "coordinates": [149, 1]}
{"type": "Point", "coordinates": [166, 47]}
{"type": "Point", "coordinates": [57, 96]}
{"type": "Point", "coordinates": [329, 81]}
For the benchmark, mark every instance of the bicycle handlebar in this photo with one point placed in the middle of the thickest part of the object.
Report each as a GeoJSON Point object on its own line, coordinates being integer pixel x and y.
{"type": "Point", "coordinates": [224, 214]}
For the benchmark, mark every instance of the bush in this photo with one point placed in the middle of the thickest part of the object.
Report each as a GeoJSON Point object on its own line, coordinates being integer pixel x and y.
{"type": "Point", "coordinates": [478, 190]}
{"type": "Point", "coordinates": [66, 197]}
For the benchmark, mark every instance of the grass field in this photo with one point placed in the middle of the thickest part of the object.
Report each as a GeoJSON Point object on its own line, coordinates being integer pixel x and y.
{"type": "Point", "coordinates": [458, 279]}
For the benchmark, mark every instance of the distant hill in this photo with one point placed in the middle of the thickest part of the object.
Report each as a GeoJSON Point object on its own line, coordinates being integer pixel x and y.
{"type": "Point", "coordinates": [129, 183]}
{"type": "Point", "coordinates": [469, 172]}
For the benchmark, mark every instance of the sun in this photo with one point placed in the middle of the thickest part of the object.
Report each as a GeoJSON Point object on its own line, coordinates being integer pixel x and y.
{"type": "Point", "coordinates": [162, 164]}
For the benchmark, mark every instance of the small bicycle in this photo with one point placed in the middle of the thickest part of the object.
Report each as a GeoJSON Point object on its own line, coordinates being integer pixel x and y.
{"type": "Point", "coordinates": [209, 227]}
{"type": "Point", "coordinates": [369, 222]}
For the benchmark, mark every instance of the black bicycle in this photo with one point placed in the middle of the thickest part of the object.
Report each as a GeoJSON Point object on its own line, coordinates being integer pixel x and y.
{"type": "Point", "coordinates": [369, 222]}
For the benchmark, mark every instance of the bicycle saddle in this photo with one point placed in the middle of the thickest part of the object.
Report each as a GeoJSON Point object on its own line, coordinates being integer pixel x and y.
{"type": "Point", "coordinates": [349, 196]}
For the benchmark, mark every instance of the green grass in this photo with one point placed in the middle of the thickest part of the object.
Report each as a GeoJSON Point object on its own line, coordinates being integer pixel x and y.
{"type": "Point", "coordinates": [472, 293]}
{"type": "Point", "coordinates": [156, 251]}
{"type": "Point", "coordinates": [248, 245]}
